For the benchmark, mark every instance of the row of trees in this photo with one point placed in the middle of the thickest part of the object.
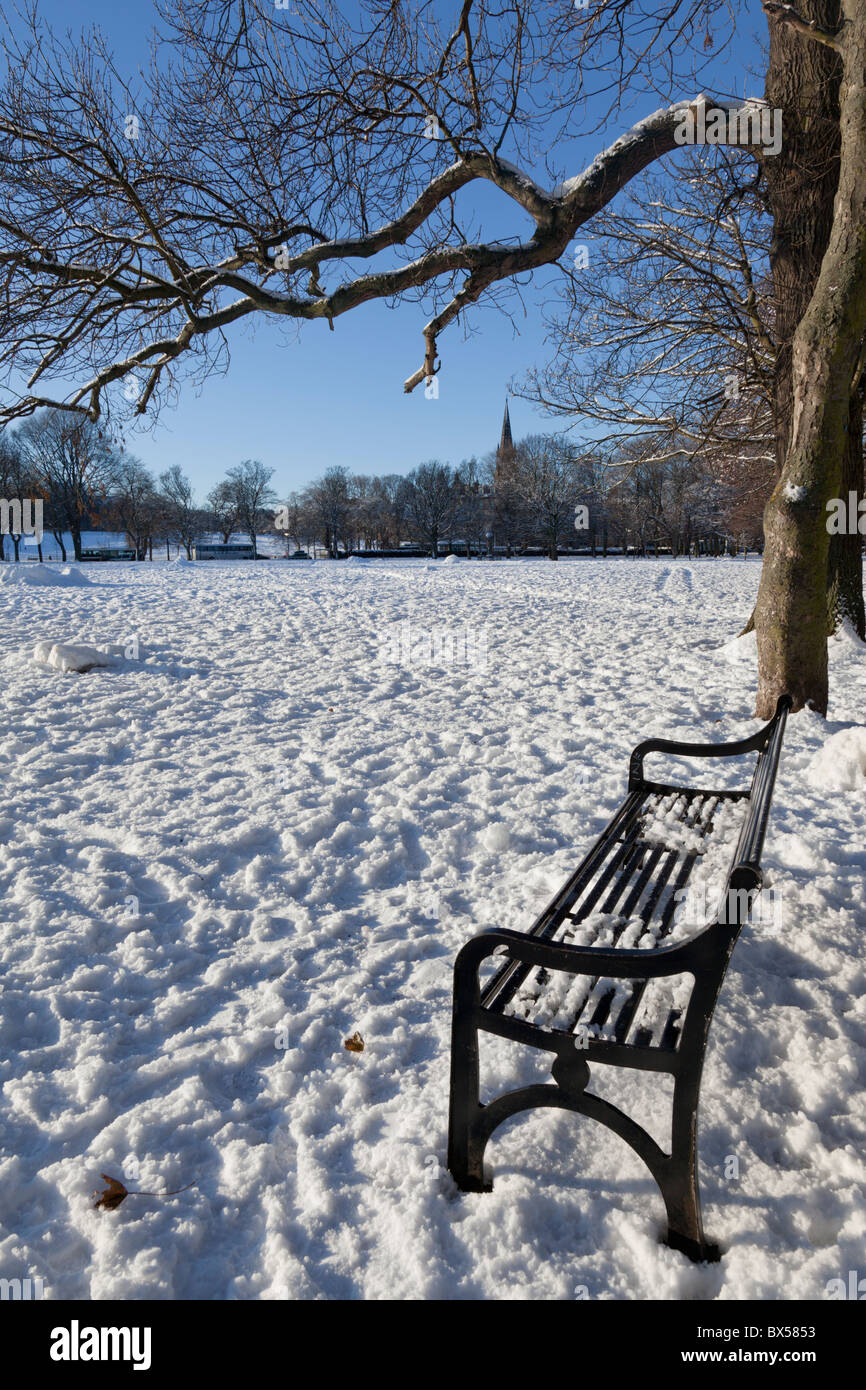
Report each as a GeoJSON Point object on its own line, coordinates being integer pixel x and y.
{"type": "Point", "coordinates": [543, 493]}
{"type": "Point", "coordinates": [85, 481]}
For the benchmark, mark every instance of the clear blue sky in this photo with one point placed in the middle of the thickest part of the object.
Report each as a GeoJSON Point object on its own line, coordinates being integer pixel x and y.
{"type": "Point", "coordinates": [337, 398]}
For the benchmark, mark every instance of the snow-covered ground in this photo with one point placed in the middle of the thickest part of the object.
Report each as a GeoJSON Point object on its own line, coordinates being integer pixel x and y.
{"type": "Point", "coordinates": [260, 831]}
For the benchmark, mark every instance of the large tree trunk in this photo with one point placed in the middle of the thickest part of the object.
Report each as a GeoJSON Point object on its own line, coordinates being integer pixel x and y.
{"type": "Point", "coordinates": [791, 612]}
{"type": "Point", "coordinates": [803, 82]}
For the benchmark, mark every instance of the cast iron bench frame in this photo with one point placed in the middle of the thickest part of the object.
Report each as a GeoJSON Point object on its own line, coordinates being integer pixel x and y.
{"type": "Point", "coordinates": [704, 956]}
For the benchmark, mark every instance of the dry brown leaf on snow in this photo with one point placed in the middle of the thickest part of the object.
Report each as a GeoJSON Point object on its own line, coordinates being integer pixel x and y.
{"type": "Point", "coordinates": [113, 1194]}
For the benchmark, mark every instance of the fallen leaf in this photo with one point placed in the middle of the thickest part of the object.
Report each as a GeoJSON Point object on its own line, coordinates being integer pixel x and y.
{"type": "Point", "coordinates": [113, 1195]}
{"type": "Point", "coordinates": [115, 1192]}
{"type": "Point", "coordinates": [353, 1044]}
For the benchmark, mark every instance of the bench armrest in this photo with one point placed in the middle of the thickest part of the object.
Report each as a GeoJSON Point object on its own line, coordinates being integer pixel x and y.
{"type": "Point", "coordinates": [579, 960]}
{"type": "Point", "coordinates": [755, 743]}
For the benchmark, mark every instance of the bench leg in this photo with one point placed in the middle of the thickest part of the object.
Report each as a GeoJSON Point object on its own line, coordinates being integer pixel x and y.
{"type": "Point", "coordinates": [471, 1125]}
{"type": "Point", "coordinates": [466, 1138]}
{"type": "Point", "coordinates": [679, 1185]}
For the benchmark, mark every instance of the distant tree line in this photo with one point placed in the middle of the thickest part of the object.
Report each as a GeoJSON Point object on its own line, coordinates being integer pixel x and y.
{"type": "Point", "coordinates": [544, 494]}
{"type": "Point", "coordinates": [88, 482]}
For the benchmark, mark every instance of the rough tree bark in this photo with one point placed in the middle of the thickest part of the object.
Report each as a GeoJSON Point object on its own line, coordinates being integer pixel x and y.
{"type": "Point", "coordinates": [791, 612]}
{"type": "Point", "coordinates": [803, 82]}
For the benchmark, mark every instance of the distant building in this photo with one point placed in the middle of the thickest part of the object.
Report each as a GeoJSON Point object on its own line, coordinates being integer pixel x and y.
{"type": "Point", "coordinates": [207, 550]}
{"type": "Point", "coordinates": [506, 443]}
{"type": "Point", "coordinates": [107, 552]}
{"type": "Point", "coordinates": [98, 545]}
{"type": "Point", "coordinates": [505, 450]}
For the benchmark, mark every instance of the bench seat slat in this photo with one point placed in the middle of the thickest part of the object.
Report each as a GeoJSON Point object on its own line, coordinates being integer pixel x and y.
{"type": "Point", "coordinates": [498, 992]}
{"type": "Point", "coordinates": [642, 871]}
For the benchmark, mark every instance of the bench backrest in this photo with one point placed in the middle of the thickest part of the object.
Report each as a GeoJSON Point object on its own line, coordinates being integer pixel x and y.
{"type": "Point", "coordinates": [744, 877]}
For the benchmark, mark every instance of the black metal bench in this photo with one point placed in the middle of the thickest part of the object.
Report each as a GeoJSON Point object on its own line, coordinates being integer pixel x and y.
{"type": "Point", "coordinates": [603, 996]}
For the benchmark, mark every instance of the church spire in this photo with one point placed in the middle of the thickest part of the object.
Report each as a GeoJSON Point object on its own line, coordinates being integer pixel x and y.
{"type": "Point", "coordinates": [505, 452]}
{"type": "Point", "coordinates": [506, 443]}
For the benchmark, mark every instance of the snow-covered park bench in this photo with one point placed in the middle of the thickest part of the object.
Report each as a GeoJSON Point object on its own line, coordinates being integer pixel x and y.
{"type": "Point", "coordinates": [602, 978]}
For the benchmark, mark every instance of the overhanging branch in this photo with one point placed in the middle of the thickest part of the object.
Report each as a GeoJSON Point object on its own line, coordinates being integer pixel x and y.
{"type": "Point", "coordinates": [195, 296]}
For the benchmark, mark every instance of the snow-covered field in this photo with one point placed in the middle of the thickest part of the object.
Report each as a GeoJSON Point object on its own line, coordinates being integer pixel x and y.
{"type": "Point", "coordinates": [222, 856]}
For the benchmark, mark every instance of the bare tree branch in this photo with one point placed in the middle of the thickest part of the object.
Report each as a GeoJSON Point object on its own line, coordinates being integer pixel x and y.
{"type": "Point", "coordinates": [277, 147]}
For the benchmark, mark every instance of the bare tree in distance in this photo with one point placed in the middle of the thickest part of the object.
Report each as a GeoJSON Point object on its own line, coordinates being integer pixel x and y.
{"type": "Point", "coordinates": [134, 505]}
{"type": "Point", "coordinates": [182, 513]}
{"type": "Point", "coordinates": [74, 466]}
{"type": "Point", "coordinates": [394, 491]}
{"type": "Point", "coordinates": [15, 477]}
{"type": "Point", "coordinates": [331, 501]}
{"type": "Point", "coordinates": [222, 503]}
{"type": "Point", "coordinates": [251, 485]}
{"type": "Point", "coordinates": [667, 341]}
{"type": "Point", "coordinates": [547, 479]}
{"type": "Point", "coordinates": [667, 347]}
{"type": "Point", "coordinates": [433, 502]}
{"type": "Point", "coordinates": [288, 521]}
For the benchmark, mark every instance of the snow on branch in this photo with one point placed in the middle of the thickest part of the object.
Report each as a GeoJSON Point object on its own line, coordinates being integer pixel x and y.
{"type": "Point", "coordinates": [135, 259]}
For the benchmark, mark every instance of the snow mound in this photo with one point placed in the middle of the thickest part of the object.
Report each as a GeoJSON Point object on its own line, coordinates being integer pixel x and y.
{"type": "Point", "coordinates": [65, 577]}
{"type": "Point", "coordinates": [353, 560]}
{"type": "Point", "coordinates": [846, 637]}
{"type": "Point", "coordinates": [451, 560]}
{"type": "Point", "coordinates": [742, 648]}
{"type": "Point", "coordinates": [840, 765]}
{"type": "Point", "coordinates": [66, 656]}
{"type": "Point", "coordinates": [182, 560]}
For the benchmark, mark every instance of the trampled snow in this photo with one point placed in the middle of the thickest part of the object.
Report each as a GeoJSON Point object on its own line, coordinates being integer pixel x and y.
{"type": "Point", "coordinates": [221, 860]}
